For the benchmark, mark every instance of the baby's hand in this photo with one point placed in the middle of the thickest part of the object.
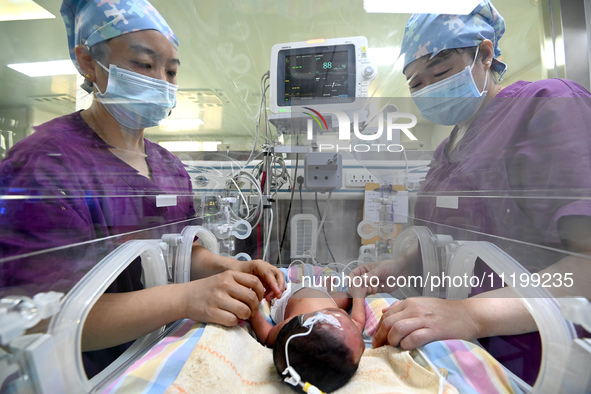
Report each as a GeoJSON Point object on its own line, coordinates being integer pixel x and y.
{"type": "Point", "coordinates": [357, 292]}
{"type": "Point", "coordinates": [272, 277]}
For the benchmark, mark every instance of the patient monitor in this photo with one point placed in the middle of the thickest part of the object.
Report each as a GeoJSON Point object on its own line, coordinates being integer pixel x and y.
{"type": "Point", "coordinates": [323, 74]}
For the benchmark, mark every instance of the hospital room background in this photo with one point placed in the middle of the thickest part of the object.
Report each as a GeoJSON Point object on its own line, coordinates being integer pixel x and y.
{"type": "Point", "coordinates": [273, 185]}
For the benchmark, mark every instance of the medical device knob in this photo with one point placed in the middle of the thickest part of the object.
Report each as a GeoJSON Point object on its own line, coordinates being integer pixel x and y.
{"type": "Point", "coordinates": [369, 71]}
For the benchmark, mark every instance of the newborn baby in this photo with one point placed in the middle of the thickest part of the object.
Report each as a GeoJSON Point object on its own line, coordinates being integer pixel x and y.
{"type": "Point", "coordinates": [314, 337]}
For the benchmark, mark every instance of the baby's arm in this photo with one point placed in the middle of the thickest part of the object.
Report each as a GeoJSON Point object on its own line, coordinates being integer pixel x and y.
{"type": "Point", "coordinates": [342, 299]}
{"type": "Point", "coordinates": [358, 308]}
{"type": "Point", "coordinates": [265, 331]}
{"type": "Point", "coordinates": [358, 312]}
{"type": "Point", "coordinates": [355, 298]}
{"type": "Point", "coordinates": [260, 326]}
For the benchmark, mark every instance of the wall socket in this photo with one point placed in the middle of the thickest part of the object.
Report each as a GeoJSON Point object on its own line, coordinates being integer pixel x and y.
{"type": "Point", "coordinates": [323, 171]}
{"type": "Point", "coordinates": [358, 178]}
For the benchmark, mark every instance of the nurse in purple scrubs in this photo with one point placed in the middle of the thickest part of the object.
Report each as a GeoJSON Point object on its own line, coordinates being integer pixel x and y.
{"type": "Point", "coordinates": [92, 176]}
{"type": "Point", "coordinates": [514, 154]}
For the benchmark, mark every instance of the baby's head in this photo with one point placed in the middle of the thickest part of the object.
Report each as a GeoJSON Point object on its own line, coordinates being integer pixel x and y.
{"type": "Point", "coordinates": [328, 356]}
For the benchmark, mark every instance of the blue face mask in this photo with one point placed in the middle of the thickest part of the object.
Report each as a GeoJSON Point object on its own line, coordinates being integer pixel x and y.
{"type": "Point", "coordinates": [135, 100]}
{"type": "Point", "coordinates": [453, 100]}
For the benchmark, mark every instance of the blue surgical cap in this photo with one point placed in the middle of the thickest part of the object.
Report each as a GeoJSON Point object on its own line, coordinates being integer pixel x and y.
{"type": "Point", "coordinates": [89, 22]}
{"type": "Point", "coordinates": [432, 33]}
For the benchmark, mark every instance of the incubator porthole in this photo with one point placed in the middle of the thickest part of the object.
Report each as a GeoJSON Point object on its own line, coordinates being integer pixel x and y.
{"type": "Point", "coordinates": [201, 180]}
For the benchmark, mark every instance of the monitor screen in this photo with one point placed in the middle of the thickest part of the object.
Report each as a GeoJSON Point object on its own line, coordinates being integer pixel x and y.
{"type": "Point", "coordinates": [316, 75]}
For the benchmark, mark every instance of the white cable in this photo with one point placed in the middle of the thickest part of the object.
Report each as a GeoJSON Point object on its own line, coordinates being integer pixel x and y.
{"type": "Point", "coordinates": [231, 165]}
{"type": "Point", "coordinates": [262, 105]}
{"type": "Point", "coordinates": [435, 370]}
{"type": "Point", "coordinates": [325, 212]}
{"type": "Point", "coordinates": [297, 380]}
{"type": "Point", "coordinates": [243, 199]}
{"type": "Point", "coordinates": [349, 268]}
{"type": "Point", "coordinates": [268, 235]}
{"type": "Point", "coordinates": [237, 163]}
{"type": "Point", "coordinates": [312, 256]}
{"type": "Point", "coordinates": [279, 250]}
{"type": "Point", "coordinates": [258, 211]}
{"type": "Point", "coordinates": [406, 171]}
{"type": "Point", "coordinates": [205, 169]}
{"type": "Point", "coordinates": [418, 168]}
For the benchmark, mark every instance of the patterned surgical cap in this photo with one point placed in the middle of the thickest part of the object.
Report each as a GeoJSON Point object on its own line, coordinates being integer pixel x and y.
{"type": "Point", "coordinates": [89, 22]}
{"type": "Point", "coordinates": [432, 33]}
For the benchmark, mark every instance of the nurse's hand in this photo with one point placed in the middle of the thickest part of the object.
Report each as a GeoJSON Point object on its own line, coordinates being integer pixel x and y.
{"type": "Point", "coordinates": [381, 277]}
{"type": "Point", "coordinates": [417, 321]}
{"type": "Point", "coordinates": [372, 275]}
{"type": "Point", "coordinates": [272, 277]}
{"type": "Point", "coordinates": [205, 263]}
{"type": "Point", "coordinates": [223, 298]}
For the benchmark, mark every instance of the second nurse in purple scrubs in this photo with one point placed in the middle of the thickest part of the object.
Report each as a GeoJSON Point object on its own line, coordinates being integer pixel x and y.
{"type": "Point", "coordinates": [517, 166]}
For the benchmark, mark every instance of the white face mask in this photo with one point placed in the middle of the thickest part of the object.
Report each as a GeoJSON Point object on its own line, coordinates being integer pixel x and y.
{"type": "Point", "coordinates": [453, 100]}
{"type": "Point", "coordinates": [135, 100]}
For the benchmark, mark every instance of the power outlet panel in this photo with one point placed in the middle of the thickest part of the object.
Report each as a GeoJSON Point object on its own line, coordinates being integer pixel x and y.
{"type": "Point", "coordinates": [323, 171]}
{"type": "Point", "coordinates": [358, 178]}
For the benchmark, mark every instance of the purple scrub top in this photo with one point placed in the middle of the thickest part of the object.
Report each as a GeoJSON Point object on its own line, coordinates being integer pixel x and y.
{"type": "Point", "coordinates": [77, 190]}
{"type": "Point", "coordinates": [523, 164]}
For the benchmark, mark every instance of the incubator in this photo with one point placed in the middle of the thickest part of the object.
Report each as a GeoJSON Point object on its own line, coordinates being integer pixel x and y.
{"type": "Point", "coordinates": [328, 167]}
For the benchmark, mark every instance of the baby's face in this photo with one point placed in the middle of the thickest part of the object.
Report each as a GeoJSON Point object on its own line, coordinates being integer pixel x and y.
{"type": "Point", "coordinates": [353, 336]}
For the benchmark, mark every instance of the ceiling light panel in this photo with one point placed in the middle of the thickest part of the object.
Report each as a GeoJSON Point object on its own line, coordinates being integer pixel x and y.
{"type": "Point", "coordinates": [455, 7]}
{"type": "Point", "coordinates": [18, 10]}
{"type": "Point", "coordinates": [45, 69]}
